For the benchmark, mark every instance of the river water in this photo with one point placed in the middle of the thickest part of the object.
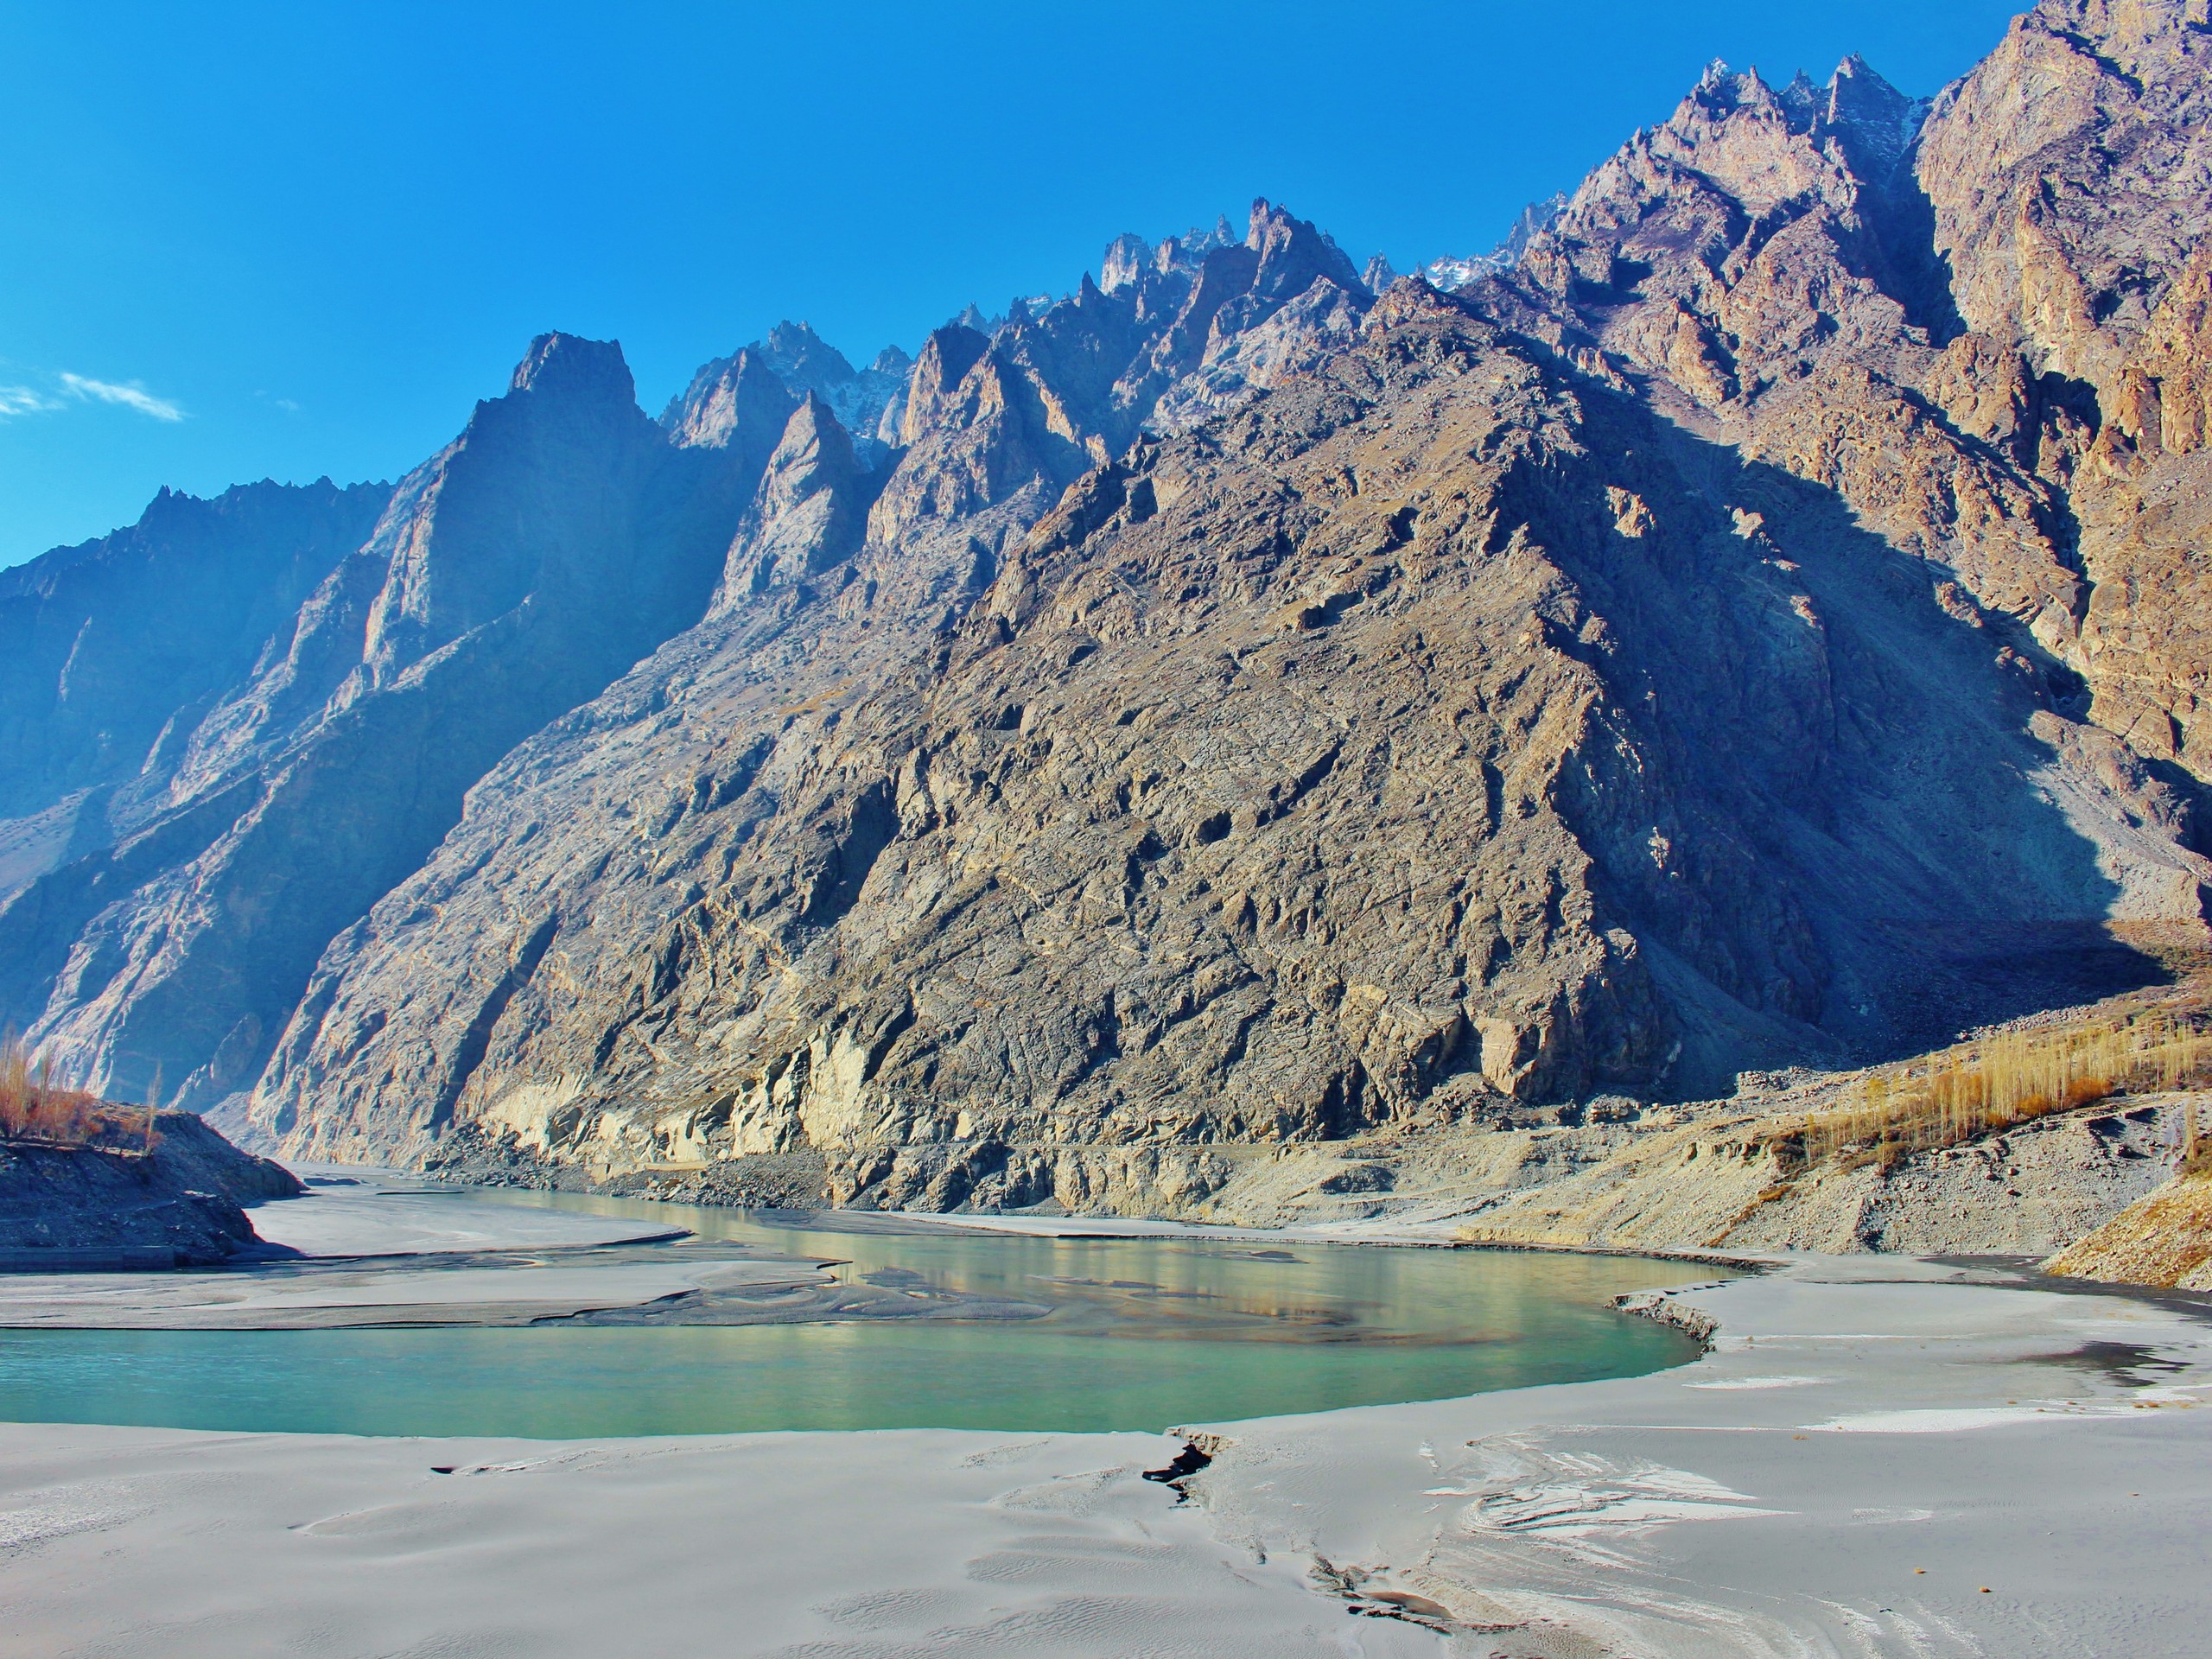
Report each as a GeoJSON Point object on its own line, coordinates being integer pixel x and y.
{"type": "Point", "coordinates": [1141, 1333]}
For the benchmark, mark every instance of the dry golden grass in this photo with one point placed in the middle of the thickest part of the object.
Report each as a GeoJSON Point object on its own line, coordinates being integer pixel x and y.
{"type": "Point", "coordinates": [2164, 1238]}
{"type": "Point", "coordinates": [1982, 1087]}
{"type": "Point", "coordinates": [2195, 1143]}
{"type": "Point", "coordinates": [38, 1106]}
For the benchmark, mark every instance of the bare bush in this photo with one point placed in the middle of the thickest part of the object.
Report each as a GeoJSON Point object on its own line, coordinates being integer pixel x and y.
{"type": "Point", "coordinates": [1982, 1087]}
{"type": "Point", "coordinates": [39, 1107]}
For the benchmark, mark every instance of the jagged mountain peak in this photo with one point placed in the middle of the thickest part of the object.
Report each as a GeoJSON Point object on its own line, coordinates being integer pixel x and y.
{"type": "Point", "coordinates": [808, 513]}
{"type": "Point", "coordinates": [768, 375]}
{"type": "Point", "coordinates": [1800, 96]}
{"type": "Point", "coordinates": [570, 366]}
{"type": "Point", "coordinates": [1126, 257]}
{"type": "Point", "coordinates": [1129, 259]}
{"type": "Point", "coordinates": [1722, 91]}
{"type": "Point", "coordinates": [946, 357]}
{"type": "Point", "coordinates": [559, 537]}
{"type": "Point", "coordinates": [1024, 310]}
{"type": "Point", "coordinates": [1767, 149]}
{"type": "Point", "coordinates": [802, 358]}
{"type": "Point", "coordinates": [168, 512]}
{"type": "Point", "coordinates": [1856, 97]}
{"type": "Point", "coordinates": [1058, 384]}
{"type": "Point", "coordinates": [1872, 121]}
{"type": "Point", "coordinates": [1454, 272]}
{"type": "Point", "coordinates": [862, 399]}
{"type": "Point", "coordinates": [1293, 252]}
{"type": "Point", "coordinates": [1729, 249]}
{"type": "Point", "coordinates": [740, 392]}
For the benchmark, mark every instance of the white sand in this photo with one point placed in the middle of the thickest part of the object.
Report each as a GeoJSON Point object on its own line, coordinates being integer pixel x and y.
{"type": "Point", "coordinates": [1665, 1515]}
{"type": "Point", "coordinates": [1927, 1421]}
{"type": "Point", "coordinates": [290, 1300]}
{"type": "Point", "coordinates": [181, 1546]}
{"type": "Point", "coordinates": [379, 1213]}
{"type": "Point", "coordinates": [381, 1250]}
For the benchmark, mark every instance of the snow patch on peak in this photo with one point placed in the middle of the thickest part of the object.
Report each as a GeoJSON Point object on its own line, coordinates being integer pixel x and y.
{"type": "Point", "coordinates": [1455, 272]}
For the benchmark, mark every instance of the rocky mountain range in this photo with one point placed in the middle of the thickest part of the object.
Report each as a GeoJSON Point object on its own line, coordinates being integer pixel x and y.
{"type": "Point", "coordinates": [1751, 620]}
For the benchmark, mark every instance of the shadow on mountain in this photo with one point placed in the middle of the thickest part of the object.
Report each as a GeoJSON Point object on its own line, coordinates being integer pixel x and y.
{"type": "Point", "coordinates": [1889, 831]}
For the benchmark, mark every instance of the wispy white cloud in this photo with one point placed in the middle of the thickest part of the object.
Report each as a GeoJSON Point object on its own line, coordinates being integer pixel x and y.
{"type": "Point", "coordinates": [18, 399]}
{"type": "Point", "coordinates": [130, 395]}
{"type": "Point", "coordinates": [22, 400]}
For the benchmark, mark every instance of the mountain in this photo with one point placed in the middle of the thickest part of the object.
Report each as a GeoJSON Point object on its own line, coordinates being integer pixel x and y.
{"type": "Point", "coordinates": [109, 650]}
{"type": "Point", "coordinates": [1252, 700]}
{"type": "Point", "coordinates": [1451, 274]}
{"type": "Point", "coordinates": [509, 578]}
{"type": "Point", "coordinates": [869, 403]}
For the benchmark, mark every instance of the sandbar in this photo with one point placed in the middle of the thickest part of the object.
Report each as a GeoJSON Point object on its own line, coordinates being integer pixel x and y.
{"type": "Point", "coordinates": [1877, 1456]}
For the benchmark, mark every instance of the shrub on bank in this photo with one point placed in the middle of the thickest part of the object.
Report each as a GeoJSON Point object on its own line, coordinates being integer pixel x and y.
{"type": "Point", "coordinates": [1990, 1085]}
{"type": "Point", "coordinates": [38, 1107]}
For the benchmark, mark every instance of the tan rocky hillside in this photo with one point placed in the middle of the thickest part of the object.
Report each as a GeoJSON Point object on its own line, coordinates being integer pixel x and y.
{"type": "Point", "coordinates": [2164, 1240]}
{"type": "Point", "coordinates": [1232, 709]}
{"type": "Point", "coordinates": [1799, 1160]}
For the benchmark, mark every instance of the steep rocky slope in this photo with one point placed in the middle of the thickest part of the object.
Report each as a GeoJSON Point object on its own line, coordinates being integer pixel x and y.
{"type": "Point", "coordinates": [561, 538]}
{"type": "Point", "coordinates": [1961, 316]}
{"type": "Point", "coordinates": [556, 541]}
{"type": "Point", "coordinates": [1751, 623]}
{"type": "Point", "coordinates": [2164, 1239]}
{"type": "Point", "coordinates": [110, 652]}
{"type": "Point", "coordinates": [1443, 731]}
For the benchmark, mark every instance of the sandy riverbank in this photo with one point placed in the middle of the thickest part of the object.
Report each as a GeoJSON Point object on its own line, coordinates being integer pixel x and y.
{"type": "Point", "coordinates": [1858, 1419]}
{"type": "Point", "coordinates": [372, 1247]}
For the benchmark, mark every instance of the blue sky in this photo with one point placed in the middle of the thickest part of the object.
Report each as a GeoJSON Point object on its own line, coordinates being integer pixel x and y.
{"type": "Point", "coordinates": [285, 240]}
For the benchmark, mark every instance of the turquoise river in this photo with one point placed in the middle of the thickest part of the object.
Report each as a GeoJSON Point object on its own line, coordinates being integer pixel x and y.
{"type": "Point", "coordinates": [1141, 1333]}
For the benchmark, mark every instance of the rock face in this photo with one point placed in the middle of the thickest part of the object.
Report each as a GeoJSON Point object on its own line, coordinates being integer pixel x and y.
{"type": "Point", "coordinates": [1960, 316]}
{"type": "Point", "coordinates": [1474, 749]}
{"type": "Point", "coordinates": [1750, 622]}
{"type": "Point", "coordinates": [2067, 176]}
